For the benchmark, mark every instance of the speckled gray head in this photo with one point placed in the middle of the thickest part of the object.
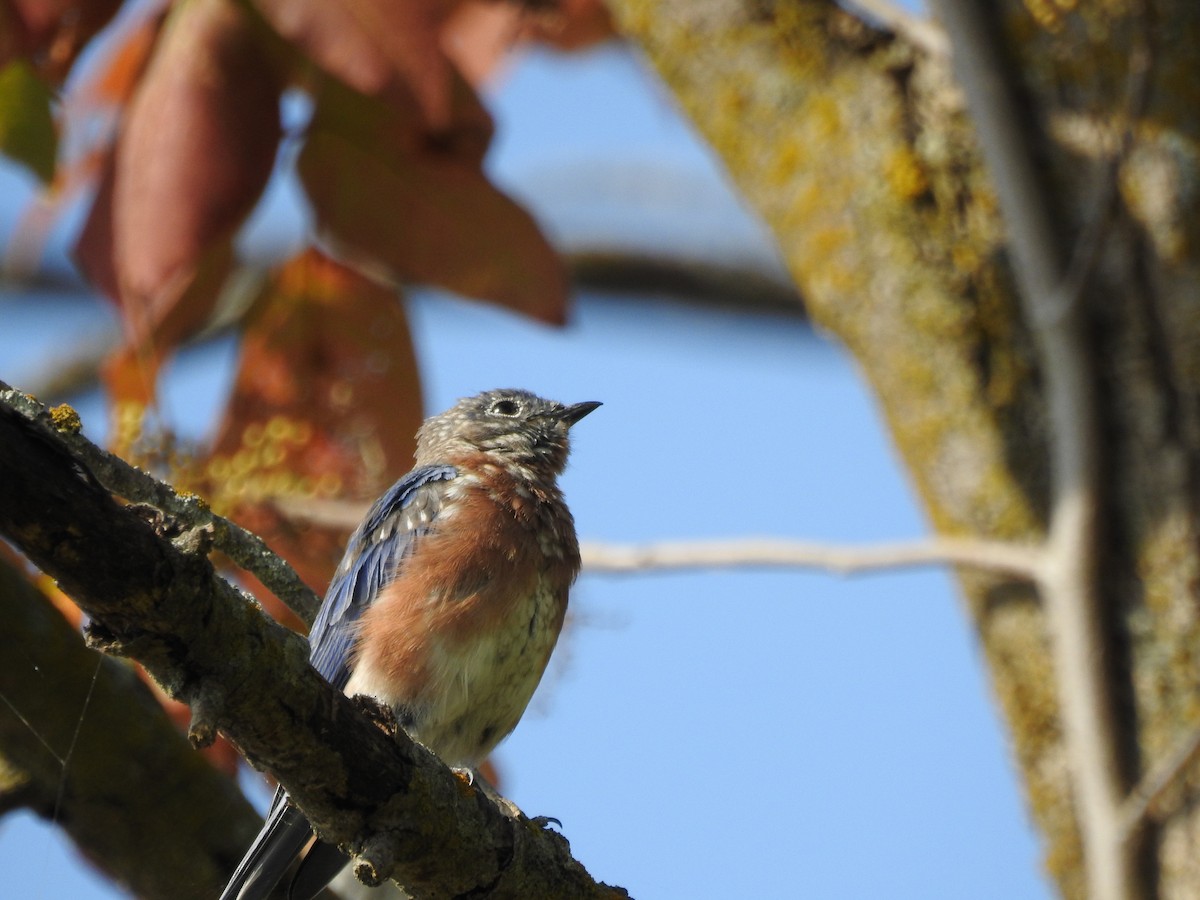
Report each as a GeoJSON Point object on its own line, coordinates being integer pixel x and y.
{"type": "Point", "coordinates": [511, 424]}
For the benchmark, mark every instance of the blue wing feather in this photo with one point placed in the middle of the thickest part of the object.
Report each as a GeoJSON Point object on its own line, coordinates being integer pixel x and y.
{"type": "Point", "coordinates": [373, 556]}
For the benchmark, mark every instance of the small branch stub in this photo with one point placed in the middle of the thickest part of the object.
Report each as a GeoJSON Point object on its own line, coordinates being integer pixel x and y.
{"type": "Point", "coordinates": [375, 862]}
{"type": "Point", "coordinates": [202, 729]}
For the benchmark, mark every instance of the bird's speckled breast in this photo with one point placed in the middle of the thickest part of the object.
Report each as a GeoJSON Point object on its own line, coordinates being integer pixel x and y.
{"type": "Point", "coordinates": [487, 683]}
{"type": "Point", "coordinates": [490, 604]}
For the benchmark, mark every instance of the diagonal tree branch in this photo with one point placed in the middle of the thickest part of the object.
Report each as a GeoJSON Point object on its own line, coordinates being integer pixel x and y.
{"type": "Point", "coordinates": [247, 550]}
{"type": "Point", "coordinates": [151, 593]}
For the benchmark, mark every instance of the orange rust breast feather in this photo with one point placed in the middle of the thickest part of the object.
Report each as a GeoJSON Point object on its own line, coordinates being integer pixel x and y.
{"type": "Point", "coordinates": [458, 642]}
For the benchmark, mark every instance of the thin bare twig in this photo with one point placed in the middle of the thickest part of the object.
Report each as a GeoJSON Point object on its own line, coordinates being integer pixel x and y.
{"type": "Point", "coordinates": [247, 550]}
{"type": "Point", "coordinates": [605, 558]}
{"type": "Point", "coordinates": [997, 556]}
{"type": "Point", "coordinates": [1156, 783]}
{"type": "Point", "coordinates": [919, 31]}
{"type": "Point", "coordinates": [1051, 284]}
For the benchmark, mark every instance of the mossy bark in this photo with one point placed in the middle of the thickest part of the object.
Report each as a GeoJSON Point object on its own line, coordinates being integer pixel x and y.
{"type": "Point", "coordinates": [856, 149]}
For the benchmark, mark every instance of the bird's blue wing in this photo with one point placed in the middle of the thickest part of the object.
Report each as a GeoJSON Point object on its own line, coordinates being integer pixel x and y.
{"type": "Point", "coordinates": [373, 556]}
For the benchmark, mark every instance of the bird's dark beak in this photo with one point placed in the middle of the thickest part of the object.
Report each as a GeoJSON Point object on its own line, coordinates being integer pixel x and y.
{"type": "Point", "coordinates": [577, 411]}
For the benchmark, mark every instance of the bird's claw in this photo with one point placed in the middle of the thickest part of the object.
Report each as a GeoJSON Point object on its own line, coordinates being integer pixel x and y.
{"type": "Point", "coordinates": [465, 773]}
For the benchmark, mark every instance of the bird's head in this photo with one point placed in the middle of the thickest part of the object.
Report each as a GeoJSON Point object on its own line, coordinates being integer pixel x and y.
{"type": "Point", "coordinates": [514, 426]}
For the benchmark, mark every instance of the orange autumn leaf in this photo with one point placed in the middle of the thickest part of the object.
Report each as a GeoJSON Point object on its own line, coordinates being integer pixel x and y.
{"type": "Point", "coordinates": [112, 77]}
{"type": "Point", "coordinates": [326, 404]}
{"type": "Point", "coordinates": [90, 107]}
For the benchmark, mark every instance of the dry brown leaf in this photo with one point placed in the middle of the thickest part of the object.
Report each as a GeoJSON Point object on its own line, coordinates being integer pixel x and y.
{"type": "Point", "coordinates": [326, 403]}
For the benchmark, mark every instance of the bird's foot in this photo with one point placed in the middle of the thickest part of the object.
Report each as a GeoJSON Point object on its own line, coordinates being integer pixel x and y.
{"type": "Point", "coordinates": [507, 807]}
{"type": "Point", "coordinates": [379, 713]}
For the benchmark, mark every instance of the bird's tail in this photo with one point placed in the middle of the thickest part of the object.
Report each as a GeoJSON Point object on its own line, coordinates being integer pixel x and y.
{"type": "Point", "coordinates": [280, 841]}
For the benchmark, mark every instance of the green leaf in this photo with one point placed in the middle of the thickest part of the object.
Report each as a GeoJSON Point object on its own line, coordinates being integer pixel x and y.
{"type": "Point", "coordinates": [27, 132]}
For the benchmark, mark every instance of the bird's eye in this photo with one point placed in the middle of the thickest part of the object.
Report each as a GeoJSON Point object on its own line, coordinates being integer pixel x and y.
{"type": "Point", "coordinates": [506, 407]}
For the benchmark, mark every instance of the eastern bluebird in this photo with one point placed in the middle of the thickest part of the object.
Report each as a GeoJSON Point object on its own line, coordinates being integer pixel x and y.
{"type": "Point", "coordinates": [447, 603]}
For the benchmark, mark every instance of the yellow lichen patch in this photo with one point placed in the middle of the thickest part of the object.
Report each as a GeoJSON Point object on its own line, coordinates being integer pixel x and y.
{"type": "Point", "coordinates": [263, 465]}
{"type": "Point", "coordinates": [1050, 14]}
{"type": "Point", "coordinates": [904, 174]}
{"type": "Point", "coordinates": [194, 498]}
{"type": "Point", "coordinates": [823, 116]}
{"type": "Point", "coordinates": [786, 163]}
{"type": "Point", "coordinates": [65, 419]}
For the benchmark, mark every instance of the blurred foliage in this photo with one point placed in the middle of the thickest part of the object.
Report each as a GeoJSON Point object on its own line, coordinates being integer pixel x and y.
{"type": "Point", "coordinates": [169, 115]}
{"type": "Point", "coordinates": [172, 119]}
{"type": "Point", "coordinates": [27, 132]}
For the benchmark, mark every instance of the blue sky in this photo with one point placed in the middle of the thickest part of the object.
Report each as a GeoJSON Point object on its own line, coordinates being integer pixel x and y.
{"type": "Point", "coordinates": [749, 733]}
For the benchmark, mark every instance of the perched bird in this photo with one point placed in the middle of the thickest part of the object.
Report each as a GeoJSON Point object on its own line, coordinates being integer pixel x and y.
{"type": "Point", "coordinates": [447, 603]}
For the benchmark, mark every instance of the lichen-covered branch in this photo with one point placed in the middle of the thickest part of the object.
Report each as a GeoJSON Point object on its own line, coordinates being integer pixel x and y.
{"type": "Point", "coordinates": [245, 549]}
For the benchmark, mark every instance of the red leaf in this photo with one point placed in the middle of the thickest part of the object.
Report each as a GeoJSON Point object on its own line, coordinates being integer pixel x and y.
{"type": "Point", "coordinates": [94, 248]}
{"type": "Point", "coordinates": [131, 372]}
{"type": "Point", "coordinates": [572, 24]}
{"type": "Point", "coordinates": [480, 33]}
{"type": "Point", "coordinates": [427, 214]}
{"type": "Point", "coordinates": [478, 36]}
{"type": "Point", "coordinates": [382, 48]}
{"type": "Point", "coordinates": [196, 150]}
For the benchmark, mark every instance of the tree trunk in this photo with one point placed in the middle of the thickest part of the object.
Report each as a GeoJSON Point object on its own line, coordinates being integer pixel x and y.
{"type": "Point", "coordinates": [856, 148]}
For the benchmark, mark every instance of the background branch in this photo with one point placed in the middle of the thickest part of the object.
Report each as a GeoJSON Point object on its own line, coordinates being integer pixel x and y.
{"type": "Point", "coordinates": [81, 735]}
{"type": "Point", "coordinates": [996, 556]}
